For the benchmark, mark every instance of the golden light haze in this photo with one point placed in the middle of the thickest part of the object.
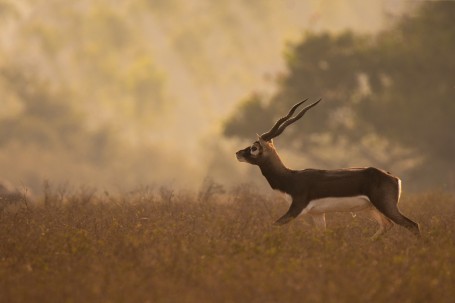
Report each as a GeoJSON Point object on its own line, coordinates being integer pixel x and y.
{"type": "Point", "coordinates": [139, 90]}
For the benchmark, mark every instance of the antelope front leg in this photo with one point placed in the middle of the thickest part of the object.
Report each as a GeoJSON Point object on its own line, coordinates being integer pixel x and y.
{"type": "Point", "coordinates": [295, 209]}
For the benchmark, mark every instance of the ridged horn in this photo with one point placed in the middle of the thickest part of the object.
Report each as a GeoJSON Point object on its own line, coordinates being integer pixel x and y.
{"type": "Point", "coordinates": [284, 122]}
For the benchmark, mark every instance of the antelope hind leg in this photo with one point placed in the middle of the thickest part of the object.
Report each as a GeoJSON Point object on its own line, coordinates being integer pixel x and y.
{"type": "Point", "coordinates": [384, 223]}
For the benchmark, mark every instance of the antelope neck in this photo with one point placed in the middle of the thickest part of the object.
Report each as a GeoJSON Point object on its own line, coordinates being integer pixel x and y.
{"type": "Point", "coordinates": [276, 173]}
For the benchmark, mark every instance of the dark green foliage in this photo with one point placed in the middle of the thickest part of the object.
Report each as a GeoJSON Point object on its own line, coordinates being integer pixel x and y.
{"type": "Point", "coordinates": [418, 106]}
{"type": "Point", "coordinates": [246, 122]}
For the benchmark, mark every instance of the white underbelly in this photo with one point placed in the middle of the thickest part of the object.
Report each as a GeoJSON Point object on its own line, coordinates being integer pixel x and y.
{"type": "Point", "coordinates": [337, 204]}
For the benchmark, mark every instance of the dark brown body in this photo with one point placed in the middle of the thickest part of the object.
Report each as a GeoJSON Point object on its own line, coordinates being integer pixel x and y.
{"type": "Point", "coordinates": [316, 191]}
{"type": "Point", "coordinates": [304, 186]}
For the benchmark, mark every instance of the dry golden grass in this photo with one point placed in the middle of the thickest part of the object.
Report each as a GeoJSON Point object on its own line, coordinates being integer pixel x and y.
{"type": "Point", "coordinates": [166, 246]}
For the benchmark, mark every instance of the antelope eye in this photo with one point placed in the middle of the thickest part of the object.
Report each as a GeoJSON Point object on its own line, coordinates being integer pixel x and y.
{"type": "Point", "coordinates": [254, 148]}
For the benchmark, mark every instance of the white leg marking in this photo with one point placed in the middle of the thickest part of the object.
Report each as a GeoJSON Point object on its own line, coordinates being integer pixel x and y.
{"type": "Point", "coordinates": [318, 208]}
{"type": "Point", "coordinates": [337, 204]}
{"type": "Point", "coordinates": [319, 221]}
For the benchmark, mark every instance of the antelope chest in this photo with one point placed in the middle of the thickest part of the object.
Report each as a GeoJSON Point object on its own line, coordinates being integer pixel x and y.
{"type": "Point", "coordinates": [337, 204]}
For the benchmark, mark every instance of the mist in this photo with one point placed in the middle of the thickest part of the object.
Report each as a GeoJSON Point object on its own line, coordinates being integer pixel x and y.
{"type": "Point", "coordinates": [118, 94]}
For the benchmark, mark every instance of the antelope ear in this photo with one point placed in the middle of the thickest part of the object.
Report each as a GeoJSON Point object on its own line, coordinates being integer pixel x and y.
{"type": "Point", "coordinates": [262, 141]}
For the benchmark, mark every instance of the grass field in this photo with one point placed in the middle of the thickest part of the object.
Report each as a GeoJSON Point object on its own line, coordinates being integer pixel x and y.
{"type": "Point", "coordinates": [173, 246]}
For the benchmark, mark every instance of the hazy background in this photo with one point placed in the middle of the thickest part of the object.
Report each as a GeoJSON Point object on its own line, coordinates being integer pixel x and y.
{"type": "Point", "coordinates": [117, 94]}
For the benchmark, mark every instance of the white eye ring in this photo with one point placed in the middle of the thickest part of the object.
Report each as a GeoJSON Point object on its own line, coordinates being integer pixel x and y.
{"type": "Point", "coordinates": [254, 151]}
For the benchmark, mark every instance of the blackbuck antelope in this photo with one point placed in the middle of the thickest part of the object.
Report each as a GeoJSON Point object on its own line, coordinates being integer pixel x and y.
{"type": "Point", "coordinates": [316, 191]}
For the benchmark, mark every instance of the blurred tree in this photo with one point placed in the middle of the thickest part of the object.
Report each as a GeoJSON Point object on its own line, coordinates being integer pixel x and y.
{"type": "Point", "coordinates": [413, 100]}
{"type": "Point", "coordinates": [81, 91]}
{"type": "Point", "coordinates": [322, 66]}
{"type": "Point", "coordinates": [250, 118]}
{"type": "Point", "coordinates": [45, 121]}
{"type": "Point", "coordinates": [66, 70]}
{"type": "Point", "coordinates": [96, 53]}
{"type": "Point", "coordinates": [393, 91]}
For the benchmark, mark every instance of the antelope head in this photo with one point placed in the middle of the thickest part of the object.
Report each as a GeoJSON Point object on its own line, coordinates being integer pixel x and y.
{"type": "Point", "coordinates": [263, 149]}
